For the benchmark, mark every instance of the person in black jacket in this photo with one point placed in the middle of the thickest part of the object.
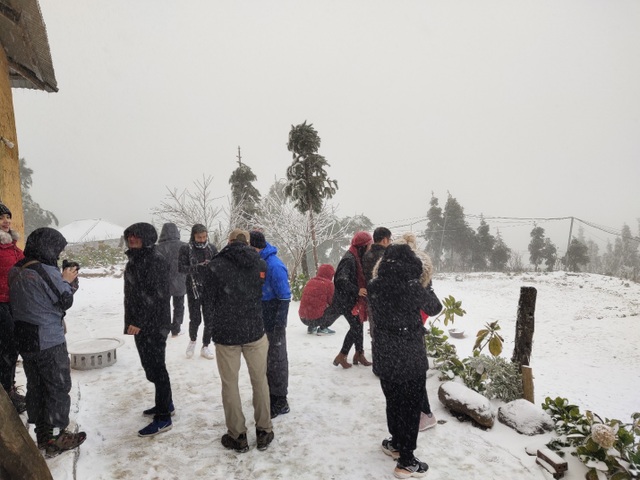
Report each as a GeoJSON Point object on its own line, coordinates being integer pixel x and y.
{"type": "Point", "coordinates": [396, 297]}
{"type": "Point", "coordinates": [147, 316]}
{"type": "Point", "coordinates": [233, 289]}
{"type": "Point", "coordinates": [350, 299]}
{"type": "Point", "coordinates": [381, 240]}
{"type": "Point", "coordinates": [169, 245]}
{"type": "Point", "coordinates": [192, 261]}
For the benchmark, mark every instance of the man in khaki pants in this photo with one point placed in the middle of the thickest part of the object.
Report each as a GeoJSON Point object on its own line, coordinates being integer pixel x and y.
{"type": "Point", "coordinates": [233, 289]}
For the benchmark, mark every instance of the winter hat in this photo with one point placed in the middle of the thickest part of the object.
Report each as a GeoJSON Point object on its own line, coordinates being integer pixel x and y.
{"type": "Point", "coordinates": [361, 239]}
{"type": "Point", "coordinates": [4, 210]}
{"type": "Point", "coordinates": [257, 239]}
{"type": "Point", "coordinates": [144, 231]}
{"type": "Point", "coordinates": [239, 235]}
{"type": "Point", "coordinates": [45, 245]}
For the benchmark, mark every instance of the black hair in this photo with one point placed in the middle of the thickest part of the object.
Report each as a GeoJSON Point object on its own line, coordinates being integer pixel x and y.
{"type": "Point", "coordinates": [380, 234]}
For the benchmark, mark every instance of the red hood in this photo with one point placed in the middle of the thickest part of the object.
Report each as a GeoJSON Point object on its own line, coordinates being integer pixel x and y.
{"type": "Point", "coordinates": [326, 271]}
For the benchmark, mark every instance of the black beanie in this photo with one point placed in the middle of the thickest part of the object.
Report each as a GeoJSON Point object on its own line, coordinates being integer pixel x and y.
{"type": "Point", "coordinates": [257, 239]}
{"type": "Point", "coordinates": [4, 210]}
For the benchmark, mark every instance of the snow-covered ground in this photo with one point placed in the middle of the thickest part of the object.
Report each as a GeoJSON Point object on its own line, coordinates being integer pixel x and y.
{"type": "Point", "coordinates": [585, 349]}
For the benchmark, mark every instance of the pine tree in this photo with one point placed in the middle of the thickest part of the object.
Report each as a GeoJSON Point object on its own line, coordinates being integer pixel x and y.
{"type": "Point", "coordinates": [34, 215]}
{"type": "Point", "coordinates": [549, 254]}
{"type": "Point", "coordinates": [483, 246]}
{"type": "Point", "coordinates": [536, 246]}
{"type": "Point", "coordinates": [245, 198]}
{"type": "Point", "coordinates": [577, 254]}
{"type": "Point", "coordinates": [499, 255]}
{"type": "Point", "coordinates": [434, 232]}
{"type": "Point", "coordinates": [458, 236]}
{"type": "Point", "coordinates": [308, 183]}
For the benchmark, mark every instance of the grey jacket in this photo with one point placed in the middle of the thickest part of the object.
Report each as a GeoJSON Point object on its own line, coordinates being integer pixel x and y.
{"type": "Point", "coordinates": [168, 246]}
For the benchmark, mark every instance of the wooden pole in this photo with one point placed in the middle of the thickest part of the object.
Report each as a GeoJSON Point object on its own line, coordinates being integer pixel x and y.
{"type": "Point", "coordinates": [524, 338]}
{"type": "Point", "coordinates": [19, 456]}
{"type": "Point", "coordinates": [10, 191]}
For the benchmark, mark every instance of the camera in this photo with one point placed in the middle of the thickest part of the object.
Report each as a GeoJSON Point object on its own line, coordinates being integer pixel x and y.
{"type": "Point", "coordinates": [69, 264]}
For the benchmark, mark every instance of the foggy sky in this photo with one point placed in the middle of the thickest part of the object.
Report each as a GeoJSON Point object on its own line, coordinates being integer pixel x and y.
{"type": "Point", "coordinates": [519, 109]}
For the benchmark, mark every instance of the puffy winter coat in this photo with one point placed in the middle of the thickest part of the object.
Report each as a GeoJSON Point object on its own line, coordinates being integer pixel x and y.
{"type": "Point", "coordinates": [233, 290]}
{"type": "Point", "coordinates": [370, 259]}
{"type": "Point", "coordinates": [276, 285]}
{"type": "Point", "coordinates": [39, 295]}
{"type": "Point", "coordinates": [396, 297]}
{"type": "Point", "coordinates": [317, 294]}
{"type": "Point", "coordinates": [9, 255]}
{"type": "Point", "coordinates": [346, 284]}
{"type": "Point", "coordinates": [147, 300]}
{"type": "Point", "coordinates": [169, 245]}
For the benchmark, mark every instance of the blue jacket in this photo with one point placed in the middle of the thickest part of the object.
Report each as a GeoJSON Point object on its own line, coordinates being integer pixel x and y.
{"type": "Point", "coordinates": [276, 293]}
{"type": "Point", "coordinates": [276, 285]}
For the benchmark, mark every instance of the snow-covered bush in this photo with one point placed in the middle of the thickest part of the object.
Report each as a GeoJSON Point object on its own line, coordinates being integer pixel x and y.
{"type": "Point", "coordinates": [494, 377]}
{"type": "Point", "coordinates": [609, 448]}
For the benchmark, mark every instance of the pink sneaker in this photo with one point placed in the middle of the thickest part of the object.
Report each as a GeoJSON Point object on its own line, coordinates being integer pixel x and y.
{"type": "Point", "coordinates": [427, 421]}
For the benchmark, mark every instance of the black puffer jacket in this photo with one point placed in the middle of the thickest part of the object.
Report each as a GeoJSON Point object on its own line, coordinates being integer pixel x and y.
{"type": "Point", "coordinates": [233, 289]}
{"type": "Point", "coordinates": [396, 297]}
{"type": "Point", "coordinates": [346, 284]}
{"type": "Point", "coordinates": [146, 283]}
{"type": "Point", "coordinates": [169, 245]}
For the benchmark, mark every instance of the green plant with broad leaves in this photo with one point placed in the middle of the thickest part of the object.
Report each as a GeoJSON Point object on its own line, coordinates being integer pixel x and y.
{"type": "Point", "coordinates": [489, 336]}
{"type": "Point", "coordinates": [609, 448]}
{"type": "Point", "coordinates": [450, 309]}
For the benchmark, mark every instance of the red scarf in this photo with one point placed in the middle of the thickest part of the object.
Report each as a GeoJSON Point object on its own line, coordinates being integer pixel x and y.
{"type": "Point", "coordinates": [360, 308]}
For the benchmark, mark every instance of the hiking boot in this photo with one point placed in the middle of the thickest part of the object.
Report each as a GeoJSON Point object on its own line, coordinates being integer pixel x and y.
{"type": "Point", "coordinates": [414, 468]}
{"type": "Point", "coordinates": [264, 439]}
{"type": "Point", "coordinates": [151, 412]}
{"type": "Point", "coordinates": [18, 400]}
{"type": "Point", "coordinates": [389, 449]}
{"type": "Point", "coordinates": [206, 353]}
{"type": "Point", "coordinates": [240, 445]}
{"type": "Point", "coordinates": [64, 441]}
{"type": "Point", "coordinates": [155, 427]}
{"type": "Point", "coordinates": [427, 421]}
{"type": "Point", "coordinates": [325, 331]}
{"type": "Point", "coordinates": [190, 349]}
{"type": "Point", "coordinates": [279, 406]}
{"type": "Point", "coordinates": [43, 435]}
{"type": "Point", "coordinates": [312, 330]}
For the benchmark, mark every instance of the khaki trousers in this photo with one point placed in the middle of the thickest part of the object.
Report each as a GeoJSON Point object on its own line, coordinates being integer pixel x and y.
{"type": "Point", "coordinates": [255, 356]}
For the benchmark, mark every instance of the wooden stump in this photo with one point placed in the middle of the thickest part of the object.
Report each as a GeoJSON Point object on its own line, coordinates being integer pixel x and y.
{"type": "Point", "coordinates": [19, 455]}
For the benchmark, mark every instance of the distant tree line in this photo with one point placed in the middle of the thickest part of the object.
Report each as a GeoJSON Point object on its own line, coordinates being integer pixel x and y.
{"type": "Point", "coordinates": [296, 217]}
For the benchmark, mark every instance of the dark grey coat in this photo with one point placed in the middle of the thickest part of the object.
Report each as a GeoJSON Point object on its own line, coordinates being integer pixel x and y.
{"type": "Point", "coordinates": [169, 245]}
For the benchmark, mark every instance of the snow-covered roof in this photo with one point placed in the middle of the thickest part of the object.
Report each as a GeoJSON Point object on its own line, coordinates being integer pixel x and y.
{"type": "Point", "coordinates": [91, 230]}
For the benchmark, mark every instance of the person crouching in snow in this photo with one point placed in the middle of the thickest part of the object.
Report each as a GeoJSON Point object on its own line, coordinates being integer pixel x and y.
{"type": "Point", "coordinates": [317, 295]}
{"type": "Point", "coordinates": [396, 297]}
{"type": "Point", "coordinates": [147, 316]}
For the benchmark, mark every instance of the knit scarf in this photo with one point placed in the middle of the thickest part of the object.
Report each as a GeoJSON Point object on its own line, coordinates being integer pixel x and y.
{"type": "Point", "coordinates": [360, 308]}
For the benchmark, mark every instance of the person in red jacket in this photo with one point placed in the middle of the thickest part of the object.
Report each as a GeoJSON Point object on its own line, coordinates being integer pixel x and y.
{"type": "Point", "coordinates": [9, 255]}
{"type": "Point", "coordinates": [317, 295]}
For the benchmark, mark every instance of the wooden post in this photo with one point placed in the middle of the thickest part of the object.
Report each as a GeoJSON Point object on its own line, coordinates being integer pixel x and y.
{"type": "Point", "coordinates": [524, 337]}
{"type": "Point", "coordinates": [19, 456]}
{"type": "Point", "coordinates": [10, 191]}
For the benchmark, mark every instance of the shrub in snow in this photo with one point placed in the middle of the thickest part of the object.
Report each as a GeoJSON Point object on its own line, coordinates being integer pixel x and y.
{"type": "Point", "coordinates": [610, 448]}
{"type": "Point", "coordinates": [494, 377]}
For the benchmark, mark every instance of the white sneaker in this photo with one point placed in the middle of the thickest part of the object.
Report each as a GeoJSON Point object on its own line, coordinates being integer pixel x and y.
{"type": "Point", "coordinates": [190, 349]}
{"type": "Point", "coordinates": [206, 353]}
{"type": "Point", "coordinates": [427, 421]}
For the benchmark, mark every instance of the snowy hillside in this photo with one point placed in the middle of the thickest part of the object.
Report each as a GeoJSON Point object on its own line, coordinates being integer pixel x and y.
{"type": "Point", "coordinates": [585, 349]}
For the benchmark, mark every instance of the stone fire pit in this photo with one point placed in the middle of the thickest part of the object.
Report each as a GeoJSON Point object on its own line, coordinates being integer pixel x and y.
{"type": "Point", "coordinates": [94, 353]}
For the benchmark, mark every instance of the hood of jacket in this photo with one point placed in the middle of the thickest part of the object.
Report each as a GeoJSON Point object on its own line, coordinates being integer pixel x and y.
{"type": "Point", "coordinates": [45, 245]}
{"type": "Point", "coordinates": [8, 237]}
{"type": "Point", "coordinates": [240, 254]}
{"type": "Point", "coordinates": [145, 231]}
{"type": "Point", "coordinates": [169, 232]}
{"type": "Point", "coordinates": [400, 264]}
{"type": "Point", "coordinates": [326, 271]}
{"type": "Point", "coordinates": [268, 251]}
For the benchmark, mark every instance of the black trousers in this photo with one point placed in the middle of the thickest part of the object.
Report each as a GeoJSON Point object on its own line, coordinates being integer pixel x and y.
{"type": "Point", "coordinates": [404, 401]}
{"type": "Point", "coordinates": [178, 313]}
{"type": "Point", "coordinates": [48, 375]}
{"type": "Point", "coordinates": [8, 348]}
{"type": "Point", "coordinates": [354, 336]}
{"type": "Point", "coordinates": [199, 310]}
{"type": "Point", "coordinates": [151, 348]}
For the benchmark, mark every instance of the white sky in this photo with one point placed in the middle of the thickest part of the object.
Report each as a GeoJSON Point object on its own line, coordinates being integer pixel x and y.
{"type": "Point", "coordinates": [523, 109]}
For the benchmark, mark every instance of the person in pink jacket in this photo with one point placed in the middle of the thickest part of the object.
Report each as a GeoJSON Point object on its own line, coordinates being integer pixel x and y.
{"type": "Point", "coordinates": [317, 295]}
{"type": "Point", "coordinates": [9, 255]}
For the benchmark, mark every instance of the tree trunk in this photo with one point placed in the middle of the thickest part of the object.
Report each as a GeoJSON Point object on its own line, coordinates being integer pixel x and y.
{"type": "Point", "coordinates": [19, 456]}
{"type": "Point", "coordinates": [314, 245]}
{"type": "Point", "coordinates": [525, 326]}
